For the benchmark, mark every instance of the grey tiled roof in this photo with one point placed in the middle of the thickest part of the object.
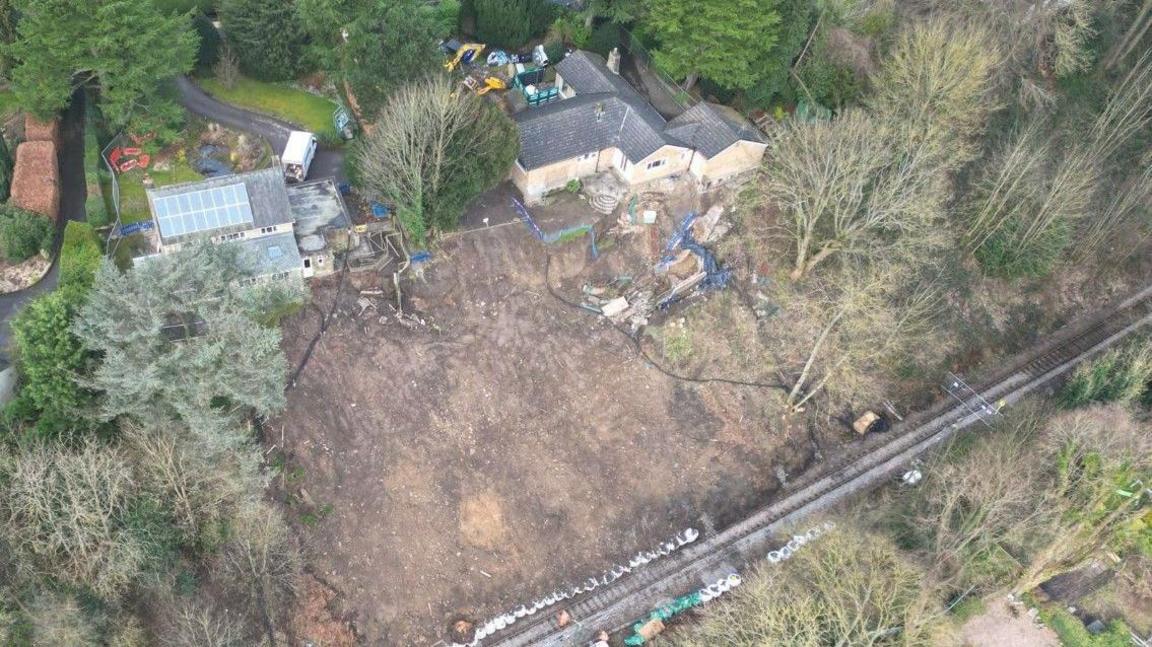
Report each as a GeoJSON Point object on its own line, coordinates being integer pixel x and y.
{"type": "Point", "coordinates": [607, 112]}
{"type": "Point", "coordinates": [586, 73]}
{"type": "Point", "coordinates": [274, 253]}
{"type": "Point", "coordinates": [266, 194]}
{"type": "Point", "coordinates": [588, 123]}
{"type": "Point", "coordinates": [711, 128]}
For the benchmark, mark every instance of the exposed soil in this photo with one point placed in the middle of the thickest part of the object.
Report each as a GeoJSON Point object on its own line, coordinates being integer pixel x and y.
{"type": "Point", "coordinates": [1004, 626]}
{"type": "Point", "coordinates": [510, 445]}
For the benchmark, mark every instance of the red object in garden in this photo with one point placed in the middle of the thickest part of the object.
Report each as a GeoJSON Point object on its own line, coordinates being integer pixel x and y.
{"type": "Point", "coordinates": [132, 151]}
{"type": "Point", "coordinates": [128, 166]}
{"type": "Point", "coordinates": [115, 155]}
{"type": "Point", "coordinates": [144, 160]}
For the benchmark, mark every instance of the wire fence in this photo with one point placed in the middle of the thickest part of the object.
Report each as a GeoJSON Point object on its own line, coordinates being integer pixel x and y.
{"type": "Point", "coordinates": [110, 247]}
{"type": "Point", "coordinates": [643, 58]}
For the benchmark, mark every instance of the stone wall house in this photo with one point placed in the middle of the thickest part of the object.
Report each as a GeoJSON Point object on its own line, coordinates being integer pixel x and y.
{"type": "Point", "coordinates": [603, 124]}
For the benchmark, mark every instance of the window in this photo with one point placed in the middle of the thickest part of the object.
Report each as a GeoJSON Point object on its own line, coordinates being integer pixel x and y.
{"type": "Point", "coordinates": [656, 164]}
{"type": "Point", "coordinates": [307, 263]}
{"type": "Point", "coordinates": [268, 230]}
{"type": "Point", "coordinates": [320, 261]}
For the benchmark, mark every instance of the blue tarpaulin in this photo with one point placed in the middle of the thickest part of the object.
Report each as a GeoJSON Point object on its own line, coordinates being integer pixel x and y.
{"type": "Point", "coordinates": [715, 277]}
{"type": "Point", "coordinates": [135, 227]}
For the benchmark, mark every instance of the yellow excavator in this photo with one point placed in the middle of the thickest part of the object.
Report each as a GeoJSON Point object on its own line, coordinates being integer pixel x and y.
{"type": "Point", "coordinates": [490, 83]}
{"type": "Point", "coordinates": [466, 54]}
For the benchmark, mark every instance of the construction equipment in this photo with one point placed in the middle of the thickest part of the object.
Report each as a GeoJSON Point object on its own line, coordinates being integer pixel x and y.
{"type": "Point", "coordinates": [465, 55]}
{"type": "Point", "coordinates": [492, 83]}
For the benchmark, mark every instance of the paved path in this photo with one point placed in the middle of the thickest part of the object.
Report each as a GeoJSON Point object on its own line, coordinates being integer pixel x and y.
{"type": "Point", "coordinates": [72, 196]}
{"type": "Point", "coordinates": [329, 161]}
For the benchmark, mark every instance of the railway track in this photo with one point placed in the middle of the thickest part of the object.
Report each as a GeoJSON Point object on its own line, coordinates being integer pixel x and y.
{"type": "Point", "coordinates": [869, 464]}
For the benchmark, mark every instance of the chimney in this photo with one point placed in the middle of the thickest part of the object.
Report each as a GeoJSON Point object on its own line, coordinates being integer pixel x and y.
{"type": "Point", "coordinates": [614, 60]}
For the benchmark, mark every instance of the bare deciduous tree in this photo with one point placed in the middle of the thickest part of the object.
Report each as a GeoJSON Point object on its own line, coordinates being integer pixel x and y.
{"type": "Point", "coordinates": [262, 560]}
{"type": "Point", "coordinates": [846, 188]}
{"type": "Point", "coordinates": [866, 315]}
{"type": "Point", "coordinates": [978, 503]}
{"type": "Point", "coordinates": [1094, 452]}
{"type": "Point", "coordinates": [190, 623]}
{"type": "Point", "coordinates": [845, 588]}
{"type": "Point", "coordinates": [201, 484]}
{"type": "Point", "coordinates": [936, 86]}
{"type": "Point", "coordinates": [65, 514]}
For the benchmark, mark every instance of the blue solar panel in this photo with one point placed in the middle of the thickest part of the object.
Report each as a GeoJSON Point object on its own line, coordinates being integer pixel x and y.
{"type": "Point", "coordinates": [204, 210]}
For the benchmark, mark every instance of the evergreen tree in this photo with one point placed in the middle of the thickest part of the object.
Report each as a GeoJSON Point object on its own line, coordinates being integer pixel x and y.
{"type": "Point", "coordinates": [179, 339]}
{"type": "Point", "coordinates": [123, 48]}
{"type": "Point", "coordinates": [267, 36]}
{"type": "Point", "coordinates": [511, 23]}
{"type": "Point", "coordinates": [724, 41]}
{"type": "Point", "coordinates": [376, 46]}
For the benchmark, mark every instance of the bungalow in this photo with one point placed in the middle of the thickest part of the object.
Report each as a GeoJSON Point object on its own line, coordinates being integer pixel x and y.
{"type": "Point", "coordinates": [258, 211]}
{"type": "Point", "coordinates": [603, 124]}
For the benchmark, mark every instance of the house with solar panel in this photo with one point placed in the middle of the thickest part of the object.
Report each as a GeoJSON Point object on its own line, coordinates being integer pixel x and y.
{"type": "Point", "coordinates": [603, 124]}
{"type": "Point", "coordinates": [291, 232]}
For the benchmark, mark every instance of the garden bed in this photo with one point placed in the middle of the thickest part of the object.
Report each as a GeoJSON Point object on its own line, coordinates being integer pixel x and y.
{"type": "Point", "coordinates": [19, 276]}
{"type": "Point", "coordinates": [204, 146]}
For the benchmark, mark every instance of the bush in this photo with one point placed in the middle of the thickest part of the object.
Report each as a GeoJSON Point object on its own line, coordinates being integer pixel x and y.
{"type": "Point", "coordinates": [830, 82]}
{"type": "Point", "coordinates": [23, 234]}
{"type": "Point", "coordinates": [1002, 256]}
{"type": "Point", "coordinates": [80, 255]}
{"type": "Point", "coordinates": [1120, 375]}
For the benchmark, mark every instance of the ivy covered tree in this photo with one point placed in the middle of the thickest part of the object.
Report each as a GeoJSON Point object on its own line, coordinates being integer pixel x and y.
{"type": "Point", "coordinates": [267, 36]}
{"type": "Point", "coordinates": [375, 46]}
{"type": "Point", "coordinates": [434, 149]}
{"type": "Point", "coordinates": [180, 339]}
{"type": "Point", "coordinates": [123, 48]}
{"type": "Point", "coordinates": [511, 23]}
{"type": "Point", "coordinates": [724, 41]}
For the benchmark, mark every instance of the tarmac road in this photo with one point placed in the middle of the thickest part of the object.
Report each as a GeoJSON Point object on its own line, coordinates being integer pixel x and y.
{"type": "Point", "coordinates": [329, 162]}
{"type": "Point", "coordinates": [72, 196]}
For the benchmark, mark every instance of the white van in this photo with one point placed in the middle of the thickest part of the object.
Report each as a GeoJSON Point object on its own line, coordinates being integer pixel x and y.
{"type": "Point", "coordinates": [298, 154]}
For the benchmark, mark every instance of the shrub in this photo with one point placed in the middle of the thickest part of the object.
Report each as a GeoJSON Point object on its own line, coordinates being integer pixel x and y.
{"type": "Point", "coordinates": [23, 234]}
{"type": "Point", "coordinates": [1003, 254]}
{"type": "Point", "coordinates": [1120, 375]}
{"type": "Point", "coordinates": [830, 81]}
{"type": "Point", "coordinates": [80, 255]}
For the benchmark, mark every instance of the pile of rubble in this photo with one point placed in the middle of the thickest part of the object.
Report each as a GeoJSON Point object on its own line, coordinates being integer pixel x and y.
{"type": "Point", "coordinates": [686, 266]}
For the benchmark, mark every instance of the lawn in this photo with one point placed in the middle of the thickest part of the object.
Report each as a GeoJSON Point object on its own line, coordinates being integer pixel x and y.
{"type": "Point", "coordinates": [134, 199]}
{"type": "Point", "coordinates": [293, 105]}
